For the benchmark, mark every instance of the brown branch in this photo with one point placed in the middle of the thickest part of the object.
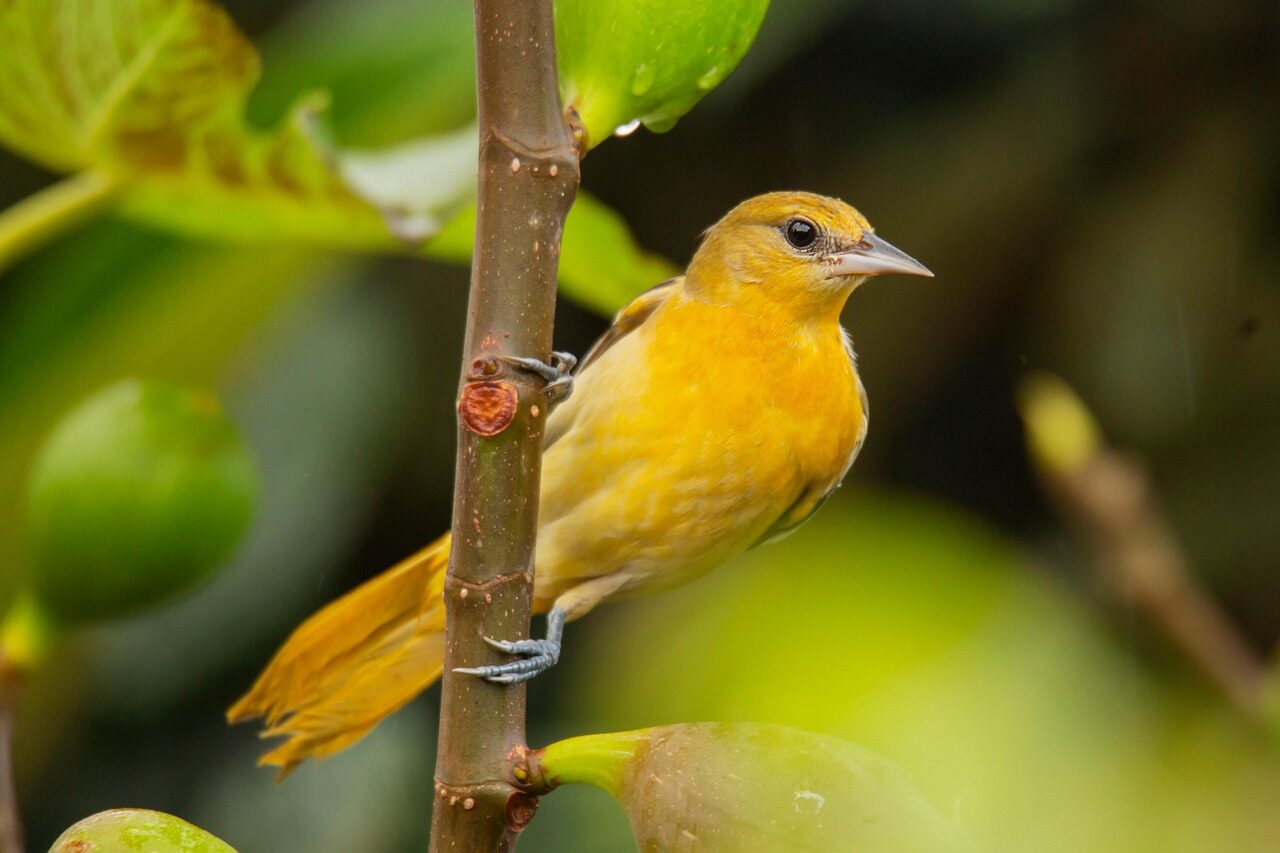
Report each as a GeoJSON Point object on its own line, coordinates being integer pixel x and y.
{"type": "Point", "coordinates": [528, 179]}
{"type": "Point", "coordinates": [1141, 562]}
{"type": "Point", "coordinates": [10, 819]}
{"type": "Point", "coordinates": [1108, 498]}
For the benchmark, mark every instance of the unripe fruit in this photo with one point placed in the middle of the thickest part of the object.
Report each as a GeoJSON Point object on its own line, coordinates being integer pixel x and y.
{"type": "Point", "coordinates": [130, 830]}
{"type": "Point", "coordinates": [139, 493]}
{"type": "Point", "coordinates": [627, 62]}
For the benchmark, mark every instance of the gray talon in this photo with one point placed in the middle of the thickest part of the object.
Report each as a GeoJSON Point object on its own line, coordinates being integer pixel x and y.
{"type": "Point", "coordinates": [558, 374]}
{"type": "Point", "coordinates": [541, 655]}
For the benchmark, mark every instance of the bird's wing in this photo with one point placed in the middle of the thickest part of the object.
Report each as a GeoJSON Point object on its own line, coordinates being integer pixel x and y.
{"type": "Point", "coordinates": [627, 320]}
{"type": "Point", "coordinates": [812, 498]}
{"type": "Point", "coordinates": [631, 318]}
{"type": "Point", "coordinates": [796, 514]}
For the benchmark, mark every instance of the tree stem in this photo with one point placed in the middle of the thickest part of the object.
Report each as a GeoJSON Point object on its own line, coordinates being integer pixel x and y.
{"type": "Point", "coordinates": [37, 218]}
{"type": "Point", "coordinates": [1111, 501]}
{"type": "Point", "coordinates": [10, 818]}
{"type": "Point", "coordinates": [527, 182]}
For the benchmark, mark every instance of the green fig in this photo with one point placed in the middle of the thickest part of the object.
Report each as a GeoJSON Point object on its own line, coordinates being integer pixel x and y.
{"type": "Point", "coordinates": [139, 493]}
{"type": "Point", "coordinates": [627, 62]}
{"type": "Point", "coordinates": [728, 787]}
{"type": "Point", "coordinates": [135, 830]}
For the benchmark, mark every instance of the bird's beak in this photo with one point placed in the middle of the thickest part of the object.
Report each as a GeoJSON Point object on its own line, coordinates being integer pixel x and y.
{"type": "Point", "coordinates": [874, 256]}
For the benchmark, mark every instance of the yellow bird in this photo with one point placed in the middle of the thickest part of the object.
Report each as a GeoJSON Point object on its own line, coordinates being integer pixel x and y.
{"type": "Point", "coordinates": [718, 412]}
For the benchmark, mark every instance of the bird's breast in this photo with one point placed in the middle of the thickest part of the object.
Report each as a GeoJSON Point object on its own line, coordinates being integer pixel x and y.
{"type": "Point", "coordinates": [688, 440]}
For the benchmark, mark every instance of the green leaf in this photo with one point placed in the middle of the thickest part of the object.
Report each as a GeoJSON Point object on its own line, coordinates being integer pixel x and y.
{"type": "Point", "coordinates": [139, 493]}
{"type": "Point", "coordinates": [292, 186]}
{"type": "Point", "coordinates": [152, 99]}
{"type": "Point", "coordinates": [134, 830]}
{"type": "Point", "coordinates": [743, 786]}
{"type": "Point", "coordinates": [129, 81]}
{"type": "Point", "coordinates": [153, 92]}
{"type": "Point", "coordinates": [625, 62]}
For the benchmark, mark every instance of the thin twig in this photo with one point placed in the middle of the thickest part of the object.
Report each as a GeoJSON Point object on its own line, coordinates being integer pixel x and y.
{"type": "Point", "coordinates": [1108, 497]}
{"type": "Point", "coordinates": [1141, 562]}
{"type": "Point", "coordinates": [10, 818]}
{"type": "Point", "coordinates": [39, 217]}
{"type": "Point", "coordinates": [527, 182]}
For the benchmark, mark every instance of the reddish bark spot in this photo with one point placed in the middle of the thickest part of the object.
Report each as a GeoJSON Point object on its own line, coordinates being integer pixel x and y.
{"type": "Point", "coordinates": [520, 810]}
{"type": "Point", "coordinates": [487, 408]}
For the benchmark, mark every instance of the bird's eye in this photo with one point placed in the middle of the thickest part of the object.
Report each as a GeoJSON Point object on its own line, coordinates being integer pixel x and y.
{"type": "Point", "coordinates": [800, 233]}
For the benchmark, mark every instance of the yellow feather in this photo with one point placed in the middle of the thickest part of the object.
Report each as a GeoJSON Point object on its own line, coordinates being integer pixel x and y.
{"type": "Point", "coordinates": [354, 662]}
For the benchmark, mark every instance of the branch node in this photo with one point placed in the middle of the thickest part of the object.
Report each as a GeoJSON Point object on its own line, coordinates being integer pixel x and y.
{"type": "Point", "coordinates": [520, 809]}
{"type": "Point", "coordinates": [488, 408]}
{"type": "Point", "coordinates": [462, 588]}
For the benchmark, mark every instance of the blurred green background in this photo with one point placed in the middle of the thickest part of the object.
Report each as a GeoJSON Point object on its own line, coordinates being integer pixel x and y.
{"type": "Point", "coordinates": [1097, 187]}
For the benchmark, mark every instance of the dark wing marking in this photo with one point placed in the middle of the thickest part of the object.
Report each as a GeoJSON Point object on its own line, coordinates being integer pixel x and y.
{"type": "Point", "coordinates": [797, 514]}
{"type": "Point", "coordinates": [630, 318]}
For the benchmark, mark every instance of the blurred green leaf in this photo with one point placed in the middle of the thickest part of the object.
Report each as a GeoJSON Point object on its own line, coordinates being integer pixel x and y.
{"type": "Point", "coordinates": [153, 92]}
{"type": "Point", "coordinates": [374, 57]}
{"type": "Point", "coordinates": [117, 81]}
{"type": "Point", "coordinates": [626, 62]}
{"type": "Point", "coordinates": [744, 786]}
{"type": "Point", "coordinates": [925, 635]}
{"type": "Point", "coordinates": [292, 186]}
{"type": "Point", "coordinates": [207, 173]}
{"type": "Point", "coordinates": [139, 493]}
{"type": "Point", "coordinates": [135, 830]}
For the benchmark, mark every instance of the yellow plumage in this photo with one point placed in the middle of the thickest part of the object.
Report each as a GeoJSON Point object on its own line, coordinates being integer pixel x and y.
{"type": "Point", "coordinates": [717, 412]}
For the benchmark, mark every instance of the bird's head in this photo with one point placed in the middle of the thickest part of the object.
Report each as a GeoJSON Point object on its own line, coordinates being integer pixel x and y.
{"type": "Point", "coordinates": [804, 250]}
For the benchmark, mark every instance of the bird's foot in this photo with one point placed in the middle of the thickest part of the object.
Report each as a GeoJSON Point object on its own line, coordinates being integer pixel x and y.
{"type": "Point", "coordinates": [558, 374]}
{"type": "Point", "coordinates": [541, 656]}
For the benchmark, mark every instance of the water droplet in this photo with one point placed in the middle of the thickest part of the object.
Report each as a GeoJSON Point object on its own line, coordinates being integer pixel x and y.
{"type": "Point", "coordinates": [711, 79]}
{"type": "Point", "coordinates": [660, 125]}
{"type": "Point", "coordinates": [627, 129]}
{"type": "Point", "coordinates": [643, 79]}
{"type": "Point", "coordinates": [413, 227]}
{"type": "Point", "coordinates": [515, 164]}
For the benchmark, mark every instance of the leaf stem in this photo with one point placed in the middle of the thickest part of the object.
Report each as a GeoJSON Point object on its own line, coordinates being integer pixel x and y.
{"type": "Point", "coordinates": [41, 216]}
{"type": "Point", "coordinates": [528, 178]}
{"type": "Point", "coordinates": [599, 760]}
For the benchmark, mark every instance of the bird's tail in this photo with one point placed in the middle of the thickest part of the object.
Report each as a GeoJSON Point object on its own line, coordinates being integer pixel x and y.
{"type": "Point", "coordinates": [353, 663]}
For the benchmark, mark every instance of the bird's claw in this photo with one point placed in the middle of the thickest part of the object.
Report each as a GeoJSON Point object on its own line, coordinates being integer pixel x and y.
{"type": "Point", "coordinates": [558, 374]}
{"type": "Point", "coordinates": [541, 656]}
